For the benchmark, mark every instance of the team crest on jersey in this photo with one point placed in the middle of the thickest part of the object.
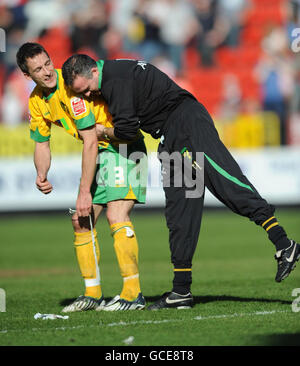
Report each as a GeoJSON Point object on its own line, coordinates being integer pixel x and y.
{"type": "Point", "coordinates": [64, 107]}
{"type": "Point", "coordinates": [78, 106]}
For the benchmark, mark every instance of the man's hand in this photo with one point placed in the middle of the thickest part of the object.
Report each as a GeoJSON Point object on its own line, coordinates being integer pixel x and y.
{"type": "Point", "coordinates": [43, 184]}
{"type": "Point", "coordinates": [100, 131]}
{"type": "Point", "coordinates": [42, 161]}
{"type": "Point", "coordinates": [104, 133]}
{"type": "Point", "coordinates": [84, 204]}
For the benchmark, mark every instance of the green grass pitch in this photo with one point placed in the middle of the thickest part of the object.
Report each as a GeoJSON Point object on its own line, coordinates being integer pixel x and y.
{"type": "Point", "coordinates": [237, 301]}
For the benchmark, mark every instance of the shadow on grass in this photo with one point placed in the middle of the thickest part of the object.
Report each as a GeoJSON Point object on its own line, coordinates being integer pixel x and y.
{"type": "Point", "coordinates": [213, 298]}
{"type": "Point", "coordinates": [288, 339]}
{"type": "Point", "coordinates": [68, 301]}
{"type": "Point", "coordinates": [201, 299]}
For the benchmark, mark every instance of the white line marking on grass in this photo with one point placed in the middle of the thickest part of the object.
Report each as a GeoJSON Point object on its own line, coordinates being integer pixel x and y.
{"type": "Point", "coordinates": [143, 322]}
{"type": "Point", "coordinates": [199, 317]}
{"type": "Point", "coordinates": [225, 316]}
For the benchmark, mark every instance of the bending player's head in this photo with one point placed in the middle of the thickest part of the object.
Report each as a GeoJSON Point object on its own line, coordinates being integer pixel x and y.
{"type": "Point", "coordinates": [35, 63]}
{"type": "Point", "coordinates": [81, 74]}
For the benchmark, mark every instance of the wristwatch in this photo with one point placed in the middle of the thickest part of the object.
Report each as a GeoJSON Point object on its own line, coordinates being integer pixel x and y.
{"type": "Point", "coordinates": [106, 136]}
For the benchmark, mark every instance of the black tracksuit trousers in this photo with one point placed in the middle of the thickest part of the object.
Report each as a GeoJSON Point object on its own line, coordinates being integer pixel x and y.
{"type": "Point", "coordinates": [190, 128]}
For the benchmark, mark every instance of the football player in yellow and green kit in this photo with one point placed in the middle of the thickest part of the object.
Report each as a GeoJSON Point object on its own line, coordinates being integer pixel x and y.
{"type": "Point", "coordinates": [114, 180]}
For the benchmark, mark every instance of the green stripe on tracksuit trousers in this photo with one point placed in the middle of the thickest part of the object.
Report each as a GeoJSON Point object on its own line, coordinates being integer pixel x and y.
{"type": "Point", "coordinates": [190, 128]}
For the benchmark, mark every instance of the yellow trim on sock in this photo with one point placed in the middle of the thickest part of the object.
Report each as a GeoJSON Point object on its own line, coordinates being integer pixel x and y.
{"type": "Point", "coordinates": [182, 269]}
{"type": "Point", "coordinates": [120, 225]}
{"type": "Point", "coordinates": [80, 245]}
{"type": "Point", "coordinates": [130, 277]}
{"type": "Point", "coordinates": [271, 218]}
{"type": "Point", "coordinates": [270, 227]}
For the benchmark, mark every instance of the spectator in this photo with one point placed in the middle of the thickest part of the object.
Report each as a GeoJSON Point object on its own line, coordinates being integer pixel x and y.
{"type": "Point", "coordinates": [161, 29]}
{"type": "Point", "coordinates": [13, 38]}
{"type": "Point", "coordinates": [144, 32]}
{"type": "Point", "coordinates": [213, 29]}
{"type": "Point", "coordinates": [293, 21]}
{"type": "Point", "coordinates": [88, 26]}
{"type": "Point", "coordinates": [177, 26]}
{"type": "Point", "coordinates": [231, 98]}
{"type": "Point", "coordinates": [121, 12]}
{"type": "Point", "coordinates": [235, 12]}
{"type": "Point", "coordinates": [292, 10]}
{"type": "Point", "coordinates": [13, 21]}
{"type": "Point", "coordinates": [274, 72]}
{"type": "Point", "coordinates": [295, 99]}
{"type": "Point", "coordinates": [14, 106]}
{"type": "Point", "coordinates": [44, 14]}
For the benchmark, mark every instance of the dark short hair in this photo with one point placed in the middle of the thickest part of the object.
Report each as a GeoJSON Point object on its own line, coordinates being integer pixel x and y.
{"type": "Point", "coordinates": [77, 65]}
{"type": "Point", "coordinates": [28, 50]}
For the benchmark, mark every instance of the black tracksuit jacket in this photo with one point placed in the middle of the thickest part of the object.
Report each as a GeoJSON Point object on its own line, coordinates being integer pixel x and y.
{"type": "Point", "coordinates": [139, 96]}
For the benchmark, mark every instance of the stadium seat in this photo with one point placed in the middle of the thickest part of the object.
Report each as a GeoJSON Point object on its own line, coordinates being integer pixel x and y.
{"type": "Point", "coordinates": [206, 79]}
{"type": "Point", "coordinates": [191, 59]}
{"type": "Point", "coordinates": [266, 15]}
{"type": "Point", "coordinates": [252, 35]}
{"type": "Point", "coordinates": [225, 57]}
{"type": "Point", "coordinates": [249, 85]}
{"type": "Point", "coordinates": [267, 3]}
{"type": "Point", "coordinates": [240, 61]}
{"type": "Point", "coordinates": [242, 57]}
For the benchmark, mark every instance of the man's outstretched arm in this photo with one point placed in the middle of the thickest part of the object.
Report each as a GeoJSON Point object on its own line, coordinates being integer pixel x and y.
{"type": "Point", "coordinates": [42, 162]}
{"type": "Point", "coordinates": [88, 169]}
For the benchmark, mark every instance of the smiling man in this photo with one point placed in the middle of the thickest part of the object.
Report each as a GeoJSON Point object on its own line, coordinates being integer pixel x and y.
{"type": "Point", "coordinates": [40, 69]}
{"type": "Point", "coordinates": [51, 102]}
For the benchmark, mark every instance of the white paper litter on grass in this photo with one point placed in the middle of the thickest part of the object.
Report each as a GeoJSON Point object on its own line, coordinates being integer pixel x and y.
{"type": "Point", "coordinates": [50, 316]}
{"type": "Point", "coordinates": [128, 340]}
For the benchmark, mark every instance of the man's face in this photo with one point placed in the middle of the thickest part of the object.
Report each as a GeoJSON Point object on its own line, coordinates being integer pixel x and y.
{"type": "Point", "coordinates": [83, 85]}
{"type": "Point", "coordinates": [41, 71]}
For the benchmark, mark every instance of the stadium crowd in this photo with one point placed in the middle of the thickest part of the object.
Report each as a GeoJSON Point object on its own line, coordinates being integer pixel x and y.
{"type": "Point", "coordinates": [236, 56]}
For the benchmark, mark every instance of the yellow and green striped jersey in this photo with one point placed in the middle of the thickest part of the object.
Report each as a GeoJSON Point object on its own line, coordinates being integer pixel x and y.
{"type": "Point", "coordinates": [65, 109]}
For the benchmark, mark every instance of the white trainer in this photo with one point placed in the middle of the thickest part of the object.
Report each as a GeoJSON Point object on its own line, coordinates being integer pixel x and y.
{"type": "Point", "coordinates": [118, 304]}
{"type": "Point", "coordinates": [84, 303]}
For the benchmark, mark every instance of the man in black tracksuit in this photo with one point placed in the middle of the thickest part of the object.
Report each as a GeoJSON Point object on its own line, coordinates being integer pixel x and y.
{"type": "Point", "coordinates": [140, 96]}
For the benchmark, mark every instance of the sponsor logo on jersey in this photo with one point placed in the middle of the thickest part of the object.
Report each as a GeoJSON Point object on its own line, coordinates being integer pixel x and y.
{"type": "Point", "coordinates": [78, 106]}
